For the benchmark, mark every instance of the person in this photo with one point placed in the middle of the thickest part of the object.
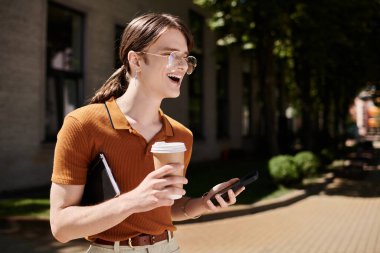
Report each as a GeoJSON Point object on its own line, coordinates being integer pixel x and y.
{"type": "Point", "coordinates": [122, 121]}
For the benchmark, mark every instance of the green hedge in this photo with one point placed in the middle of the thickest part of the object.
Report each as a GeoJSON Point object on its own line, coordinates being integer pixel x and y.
{"type": "Point", "coordinates": [284, 169]}
{"type": "Point", "coordinates": [307, 162]}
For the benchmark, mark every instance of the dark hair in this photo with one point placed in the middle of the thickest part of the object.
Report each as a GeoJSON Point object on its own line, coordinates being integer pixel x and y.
{"type": "Point", "coordinates": [138, 35]}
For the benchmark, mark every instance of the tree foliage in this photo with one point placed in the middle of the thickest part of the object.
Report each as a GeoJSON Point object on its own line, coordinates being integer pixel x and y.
{"type": "Point", "coordinates": [325, 52]}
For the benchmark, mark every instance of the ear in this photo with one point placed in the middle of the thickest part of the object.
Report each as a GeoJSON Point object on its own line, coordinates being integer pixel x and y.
{"type": "Point", "coordinates": [134, 60]}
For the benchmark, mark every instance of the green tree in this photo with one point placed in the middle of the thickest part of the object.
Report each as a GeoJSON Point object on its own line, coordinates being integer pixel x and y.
{"type": "Point", "coordinates": [322, 51]}
{"type": "Point", "coordinates": [251, 26]}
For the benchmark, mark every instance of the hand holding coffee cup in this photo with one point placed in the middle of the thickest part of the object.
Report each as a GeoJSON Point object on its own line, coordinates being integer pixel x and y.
{"type": "Point", "coordinates": [168, 153]}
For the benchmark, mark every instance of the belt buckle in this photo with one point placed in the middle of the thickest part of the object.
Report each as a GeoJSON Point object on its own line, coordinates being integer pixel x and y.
{"type": "Point", "coordinates": [152, 239]}
{"type": "Point", "coordinates": [130, 243]}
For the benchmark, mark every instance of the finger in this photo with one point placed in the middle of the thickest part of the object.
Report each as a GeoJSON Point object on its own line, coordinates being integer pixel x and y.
{"type": "Point", "coordinates": [221, 201]}
{"type": "Point", "coordinates": [239, 191]}
{"type": "Point", "coordinates": [232, 197]}
{"type": "Point", "coordinates": [165, 170]}
{"type": "Point", "coordinates": [207, 196]}
{"type": "Point", "coordinates": [233, 180]}
{"type": "Point", "coordinates": [170, 180]}
{"type": "Point", "coordinates": [223, 185]}
{"type": "Point", "coordinates": [211, 206]}
{"type": "Point", "coordinates": [168, 191]}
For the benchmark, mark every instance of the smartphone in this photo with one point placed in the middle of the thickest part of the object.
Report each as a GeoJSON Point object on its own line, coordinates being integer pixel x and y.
{"type": "Point", "coordinates": [244, 181]}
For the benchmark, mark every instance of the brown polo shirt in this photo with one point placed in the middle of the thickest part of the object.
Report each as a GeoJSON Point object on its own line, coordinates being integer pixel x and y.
{"type": "Point", "coordinates": [97, 128]}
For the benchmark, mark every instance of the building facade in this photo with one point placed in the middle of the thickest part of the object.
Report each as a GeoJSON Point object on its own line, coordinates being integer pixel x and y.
{"type": "Point", "coordinates": [55, 54]}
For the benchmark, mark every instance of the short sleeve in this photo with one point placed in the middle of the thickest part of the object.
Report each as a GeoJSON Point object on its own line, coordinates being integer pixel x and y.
{"type": "Point", "coordinates": [72, 153]}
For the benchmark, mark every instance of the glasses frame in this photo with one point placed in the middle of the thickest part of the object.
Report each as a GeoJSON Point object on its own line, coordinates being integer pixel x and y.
{"type": "Point", "coordinates": [192, 62]}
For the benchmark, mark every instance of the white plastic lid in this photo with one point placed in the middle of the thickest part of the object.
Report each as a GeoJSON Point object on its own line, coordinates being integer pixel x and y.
{"type": "Point", "coordinates": [168, 147]}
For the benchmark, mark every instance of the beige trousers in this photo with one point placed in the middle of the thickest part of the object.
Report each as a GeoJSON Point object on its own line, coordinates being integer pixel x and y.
{"type": "Point", "coordinates": [170, 246]}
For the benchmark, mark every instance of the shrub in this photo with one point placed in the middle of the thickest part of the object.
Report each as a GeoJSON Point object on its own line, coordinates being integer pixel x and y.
{"type": "Point", "coordinates": [283, 169]}
{"type": "Point", "coordinates": [308, 163]}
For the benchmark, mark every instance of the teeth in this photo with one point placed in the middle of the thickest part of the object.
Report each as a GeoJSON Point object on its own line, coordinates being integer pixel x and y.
{"type": "Point", "coordinates": [175, 76]}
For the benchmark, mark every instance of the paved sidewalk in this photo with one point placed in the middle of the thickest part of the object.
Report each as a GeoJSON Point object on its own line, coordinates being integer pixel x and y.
{"type": "Point", "coordinates": [344, 218]}
{"type": "Point", "coordinates": [317, 224]}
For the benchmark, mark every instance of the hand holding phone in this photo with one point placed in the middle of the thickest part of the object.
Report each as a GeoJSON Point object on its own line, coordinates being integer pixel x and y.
{"type": "Point", "coordinates": [244, 181]}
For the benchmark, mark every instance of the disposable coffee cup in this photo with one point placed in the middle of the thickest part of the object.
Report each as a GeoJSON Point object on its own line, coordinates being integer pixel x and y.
{"type": "Point", "coordinates": [167, 153]}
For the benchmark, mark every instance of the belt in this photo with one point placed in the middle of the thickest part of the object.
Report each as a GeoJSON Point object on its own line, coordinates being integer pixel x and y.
{"type": "Point", "coordinates": [140, 240]}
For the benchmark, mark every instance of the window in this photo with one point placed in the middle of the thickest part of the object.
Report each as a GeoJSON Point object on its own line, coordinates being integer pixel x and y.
{"type": "Point", "coordinates": [247, 104]}
{"type": "Point", "coordinates": [64, 86]}
{"type": "Point", "coordinates": [222, 92]}
{"type": "Point", "coordinates": [196, 105]}
{"type": "Point", "coordinates": [118, 33]}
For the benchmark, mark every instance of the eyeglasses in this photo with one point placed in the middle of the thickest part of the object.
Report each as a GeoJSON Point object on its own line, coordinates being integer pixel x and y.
{"type": "Point", "coordinates": [176, 59]}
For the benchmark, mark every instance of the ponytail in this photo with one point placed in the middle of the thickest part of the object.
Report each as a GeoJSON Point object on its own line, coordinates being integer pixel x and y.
{"type": "Point", "coordinates": [115, 86]}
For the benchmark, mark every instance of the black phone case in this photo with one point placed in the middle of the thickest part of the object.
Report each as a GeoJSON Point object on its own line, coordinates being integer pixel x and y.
{"type": "Point", "coordinates": [98, 186]}
{"type": "Point", "coordinates": [244, 181]}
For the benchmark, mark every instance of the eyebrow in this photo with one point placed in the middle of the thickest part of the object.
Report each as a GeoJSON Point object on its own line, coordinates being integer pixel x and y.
{"type": "Point", "coordinates": [170, 49]}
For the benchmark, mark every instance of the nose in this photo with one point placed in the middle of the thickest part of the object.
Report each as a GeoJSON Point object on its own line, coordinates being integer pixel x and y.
{"type": "Point", "coordinates": [181, 64]}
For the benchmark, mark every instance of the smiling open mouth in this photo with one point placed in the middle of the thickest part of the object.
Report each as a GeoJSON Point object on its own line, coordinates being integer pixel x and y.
{"type": "Point", "coordinates": [174, 78]}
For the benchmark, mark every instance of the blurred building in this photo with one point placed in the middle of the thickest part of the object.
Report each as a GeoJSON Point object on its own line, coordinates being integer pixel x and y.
{"type": "Point", "coordinates": [55, 54]}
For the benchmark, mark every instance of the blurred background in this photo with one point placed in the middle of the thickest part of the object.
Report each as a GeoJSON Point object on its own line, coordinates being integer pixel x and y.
{"type": "Point", "coordinates": [290, 88]}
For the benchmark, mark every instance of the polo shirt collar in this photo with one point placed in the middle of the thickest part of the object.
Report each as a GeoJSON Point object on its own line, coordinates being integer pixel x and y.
{"type": "Point", "coordinates": [168, 128]}
{"type": "Point", "coordinates": [119, 121]}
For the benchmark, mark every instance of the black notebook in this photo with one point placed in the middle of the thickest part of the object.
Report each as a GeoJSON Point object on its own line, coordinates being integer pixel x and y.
{"type": "Point", "coordinates": [100, 185]}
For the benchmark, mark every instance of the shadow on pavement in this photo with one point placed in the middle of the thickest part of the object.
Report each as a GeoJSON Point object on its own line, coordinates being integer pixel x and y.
{"type": "Point", "coordinates": [366, 185]}
{"type": "Point", "coordinates": [360, 176]}
{"type": "Point", "coordinates": [33, 236]}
